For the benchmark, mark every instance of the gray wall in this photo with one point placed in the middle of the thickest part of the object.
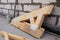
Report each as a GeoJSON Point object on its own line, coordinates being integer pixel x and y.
{"type": "Point", "coordinates": [24, 6]}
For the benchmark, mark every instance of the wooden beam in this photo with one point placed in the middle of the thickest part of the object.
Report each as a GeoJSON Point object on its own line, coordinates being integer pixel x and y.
{"type": "Point", "coordinates": [37, 23]}
{"type": "Point", "coordinates": [34, 27]}
{"type": "Point", "coordinates": [5, 35]}
{"type": "Point", "coordinates": [39, 20]}
{"type": "Point", "coordinates": [14, 37]}
{"type": "Point", "coordinates": [31, 20]}
{"type": "Point", "coordinates": [24, 26]}
{"type": "Point", "coordinates": [45, 11]}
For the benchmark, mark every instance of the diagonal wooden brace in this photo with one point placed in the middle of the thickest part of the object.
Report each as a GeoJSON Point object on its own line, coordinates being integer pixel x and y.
{"type": "Point", "coordinates": [34, 27]}
{"type": "Point", "coordinates": [13, 37]}
{"type": "Point", "coordinates": [5, 35]}
{"type": "Point", "coordinates": [24, 26]}
{"type": "Point", "coordinates": [45, 11]}
{"type": "Point", "coordinates": [36, 24]}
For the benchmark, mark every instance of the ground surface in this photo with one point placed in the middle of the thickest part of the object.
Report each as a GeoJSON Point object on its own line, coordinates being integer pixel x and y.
{"type": "Point", "coordinates": [5, 26]}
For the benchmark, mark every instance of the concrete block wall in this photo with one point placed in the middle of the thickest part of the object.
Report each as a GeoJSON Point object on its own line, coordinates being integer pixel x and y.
{"type": "Point", "coordinates": [23, 6]}
{"type": "Point", "coordinates": [26, 6]}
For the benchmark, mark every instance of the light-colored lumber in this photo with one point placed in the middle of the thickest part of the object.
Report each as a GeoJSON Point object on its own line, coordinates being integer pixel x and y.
{"type": "Point", "coordinates": [34, 27]}
{"type": "Point", "coordinates": [5, 35]}
{"type": "Point", "coordinates": [24, 26]}
{"type": "Point", "coordinates": [31, 20]}
{"type": "Point", "coordinates": [14, 37]}
{"type": "Point", "coordinates": [46, 11]}
{"type": "Point", "coordinates": [38, 22]}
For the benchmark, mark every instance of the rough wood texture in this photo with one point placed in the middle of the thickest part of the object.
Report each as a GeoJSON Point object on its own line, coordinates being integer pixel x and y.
{"type": "Point", "coordinates": [11, 36]}
{"type": "Point", "coordinates": [34, 27]}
